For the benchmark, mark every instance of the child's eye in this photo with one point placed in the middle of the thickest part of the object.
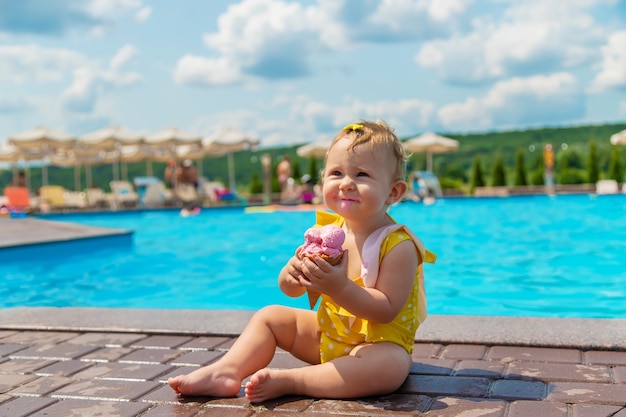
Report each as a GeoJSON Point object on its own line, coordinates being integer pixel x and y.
{"type": "Point", "coordinates": [362, 174]}
{"type": "Point", "coordinates": [335, 173]}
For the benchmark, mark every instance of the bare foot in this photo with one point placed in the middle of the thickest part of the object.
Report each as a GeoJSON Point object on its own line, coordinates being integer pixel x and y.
{"type": "Point", "coordinates": [207, 381]}
{"type": "Point", "coordinates": [267, 384]}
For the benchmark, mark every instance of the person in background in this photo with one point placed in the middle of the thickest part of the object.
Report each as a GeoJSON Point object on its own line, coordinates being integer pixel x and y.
{"type": "Point", "coordinates": [171, 174]}
{"type": "Point", "coordinates": [307, 190]}
{"type": "Point", "coordinates": [360, 340]}
{"type": "Point", "coordinates": [189, 174]}
{"type": "Point", "coordinates": [19, 180]}
{"type": "Point", "coordinates": [283, 172]}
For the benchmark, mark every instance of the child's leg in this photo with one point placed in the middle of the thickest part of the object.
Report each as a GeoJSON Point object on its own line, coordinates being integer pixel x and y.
{"type": "Point", "coordinates": [370, 369]}
{"type": "Point", "coordinates": [288, 328]}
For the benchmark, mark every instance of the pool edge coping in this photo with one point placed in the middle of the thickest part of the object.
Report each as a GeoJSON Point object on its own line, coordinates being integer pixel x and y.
{"type": "Point", "coordinates": [586, 334]}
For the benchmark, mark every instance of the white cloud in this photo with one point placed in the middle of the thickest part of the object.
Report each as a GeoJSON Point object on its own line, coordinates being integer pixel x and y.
{"type": "Point", "coordinates": [27, 63]}
{"type": "Point", "coordinates": [143, 14]}
{"type": "Point", "coordinates": [529, 40]}
{"type": "Point", "coordinates": [193, 69]}
{"type": "Point", "coordinates": [519, 101]}
{"type": "Point", "coordinates": [612, 72]}
{"type": "Point", "coordinates": [276, 39]}
{"type": "Point", "coordinates": [89, 81]}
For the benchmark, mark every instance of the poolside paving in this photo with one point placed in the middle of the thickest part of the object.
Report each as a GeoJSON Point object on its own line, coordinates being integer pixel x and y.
{"type": "Point", "coordinates": [115, 362]}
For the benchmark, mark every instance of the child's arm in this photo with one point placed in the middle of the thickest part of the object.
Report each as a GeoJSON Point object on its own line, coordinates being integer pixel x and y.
{"type": "Point", "coordinates": [289, 278]}
{"type": "Point", "coordinates": [380, 304]}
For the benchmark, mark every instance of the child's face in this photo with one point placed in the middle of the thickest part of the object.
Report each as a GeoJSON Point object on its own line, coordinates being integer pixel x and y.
{"type": "Point", "coordinates": [358, 181]}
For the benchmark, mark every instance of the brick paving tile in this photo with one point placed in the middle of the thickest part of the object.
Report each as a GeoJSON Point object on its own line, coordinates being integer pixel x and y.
{"type": "Point", "coordinates": [115, 370]}
{"type": "Point", "coordinates": [162, 342]}
{"type": "Point", "coordinates": [619, 373]}
{"type": "Point", "coordinates": [594, 410]}
{"type": "Point", "coordinates": [20, 366]}
{"type": "Point", "coordinates": [168, 410]}
{"type": "Point", "coordinates": [205, 343]}
{"type": "Point", "coordinates": [9, 348]}
{"type": "Point", "coordinates": [454, 407]}
{"type": "Point", "coordinates": [109, 389]}
{"type": "Point", "coordinates": [24, 406]}
{"type": "Point", "coordinates": [605, 358]}
{"type": "Point", "coordinates": [107, 354]}
{"type": "Point", "coordinates": [446, 385]}
{"type": "Point", "coordinates": [151, 356]}
{"type": "Point", "coordinates": [426, 350]}
{"type": "Point", "coordinates": [38, 338]}
{"type": "Point", "coordinates": [395, 404]}
{"type": "Point", "coordinates": [533, 408]}
{"type": "Point", "coordinates": [522, 353]}
{"type": "Point", "coordinates": [487, 369]}
{"type": "Point", "coordinates": [518, 390]}
{"type": "Point", "coordinates": [464, 352]}
{"type": "Point", "coordinates": [41, 386]}
{"type": "Point", "coordinates": [8, 382]}
{"type": "Point", "coordinates": [558, 372]}
{"type": "Point", "coordinates": [107, 339]}
{"type": "Point", "coordinates": [426, 366]}
{"type": "Point", "coordinates": [197, 357]}
{"type": "Point", "coordinates": [84, 408]}
{"type": "Point", "coordinates": [177, 370]}
{"type": "Point", "coordinates": [55, 352]}
{"type": "Point", "coordinates": [63, 368]}
{"type": "Point", "coordinates": [576, 392]}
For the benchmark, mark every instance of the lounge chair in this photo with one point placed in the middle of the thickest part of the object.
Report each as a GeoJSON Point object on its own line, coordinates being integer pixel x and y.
{"type": "Point", "coordinates": [124, 195]}
{"type": "Point", "coordinates": [17, 199]}
{"type": "Point", "coordinates": [97, 198]}
{"type": "Point", "coordinates": [214, 192]}
{"type": "Point", "coordinates": [153, 193]}
{"type": "Point", "coordinates": [52, 196]}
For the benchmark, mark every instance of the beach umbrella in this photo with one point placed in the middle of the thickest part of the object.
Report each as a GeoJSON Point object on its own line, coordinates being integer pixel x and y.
{"type": "Point", "coordinates": [163, 145]}
{"type": "Point", "coordinates": [42, 141]}
{"type": "Point", "coordinates": [316, 149]}
{"type": "Point", "coordinates": [619, 138]}
{"type": "Point", "coordinates": [228, 141]}
{"type": "Point", "coordinates": [431, 143]}
{"type": "Point", "coordinates": [110, 139]}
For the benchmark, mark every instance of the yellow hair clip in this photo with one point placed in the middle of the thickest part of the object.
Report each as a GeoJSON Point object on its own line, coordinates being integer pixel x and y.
{"type": "Point", "coordinates": [353, 127]}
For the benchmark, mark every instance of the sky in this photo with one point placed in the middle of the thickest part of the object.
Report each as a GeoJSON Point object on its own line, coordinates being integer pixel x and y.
{"type": "Point", "coordinates": [291, 72]}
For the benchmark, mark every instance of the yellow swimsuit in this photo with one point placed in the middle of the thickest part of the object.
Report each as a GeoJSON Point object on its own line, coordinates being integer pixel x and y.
{"type": "Point", "coordinates": [342, 331]}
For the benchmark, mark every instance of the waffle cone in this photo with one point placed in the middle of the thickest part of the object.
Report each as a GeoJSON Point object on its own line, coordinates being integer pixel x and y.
{"type": "Point", "coordinates": [333, 260]}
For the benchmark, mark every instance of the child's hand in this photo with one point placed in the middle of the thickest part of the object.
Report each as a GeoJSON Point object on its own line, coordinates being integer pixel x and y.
{"type": "Point", "coordinates": [291, 277]}
{"type": "Point", "coordinates": [323, 277]}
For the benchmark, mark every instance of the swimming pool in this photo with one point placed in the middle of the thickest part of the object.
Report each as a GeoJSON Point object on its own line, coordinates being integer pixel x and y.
{"type": "Point", "coordinates": [560, 256]}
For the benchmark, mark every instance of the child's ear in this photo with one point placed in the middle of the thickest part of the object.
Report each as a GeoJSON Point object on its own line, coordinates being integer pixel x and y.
{"type": "Point", "coordinates": [398, 189]}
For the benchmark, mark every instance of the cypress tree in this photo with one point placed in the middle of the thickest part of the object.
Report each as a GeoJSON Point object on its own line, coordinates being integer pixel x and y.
{"type": "Point", "coordinates": [477, 175]}
{"type": "Point", "coordinates": [520, 169]}
{"type": "Point", "coordinates": [592, 164]}
{"type": "Point", "coordinates": [615, 166]}
{"type": "Point", "coordinates": [499, 176]}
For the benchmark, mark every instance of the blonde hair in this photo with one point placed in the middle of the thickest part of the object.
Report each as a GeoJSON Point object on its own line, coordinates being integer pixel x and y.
{"type": "Point", "coordinates": [376, 136]}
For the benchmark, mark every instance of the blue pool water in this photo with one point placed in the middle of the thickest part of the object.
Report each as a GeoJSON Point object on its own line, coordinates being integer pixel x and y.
{"type": "Point", "coordinates": [562, 256]}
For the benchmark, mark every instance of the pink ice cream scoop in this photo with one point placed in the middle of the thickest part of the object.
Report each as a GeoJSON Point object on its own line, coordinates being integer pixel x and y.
{"type": "Point", "coordinates": [324, 242]}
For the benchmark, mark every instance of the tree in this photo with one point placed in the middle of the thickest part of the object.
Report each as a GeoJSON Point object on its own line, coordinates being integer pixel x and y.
{"type": "Point", "coordinates": [592, 164]}
{"type": "Point", "coordinates": [615, 166]}
{"type": "Point", "coordinates": [477, 175]}
{"type": "Point", "coordinates": [499, 176]}
{"type": "Point", "coordinates": [520, 168]}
